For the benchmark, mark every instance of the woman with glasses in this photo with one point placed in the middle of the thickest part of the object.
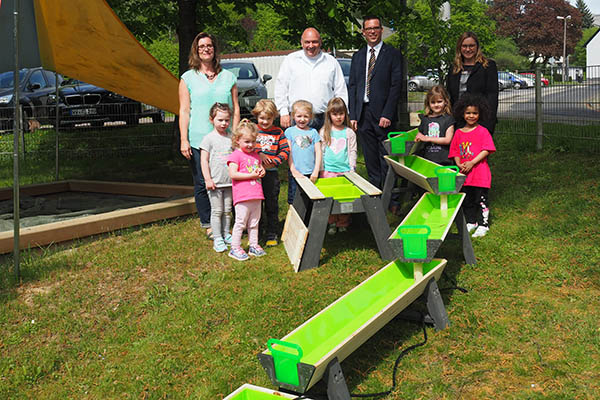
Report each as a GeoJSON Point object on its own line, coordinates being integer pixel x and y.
{"type": "Point", "coordinates": [203, 85]}
{"type": "Point", "coordinates": [473, 73]}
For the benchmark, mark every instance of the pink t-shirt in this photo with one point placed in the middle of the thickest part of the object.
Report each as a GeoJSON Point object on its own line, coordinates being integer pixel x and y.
{"type": "Point", "coordinates": [467, 145]}
{"type": "Point", "coordinates": [247, 189]}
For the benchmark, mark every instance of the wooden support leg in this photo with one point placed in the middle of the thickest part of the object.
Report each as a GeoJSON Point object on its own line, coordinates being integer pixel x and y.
{"type": "Point", "coordinates": [444, 205]}
{"type": "Point", "coordinates": [375, 211]}
{"type": "Point", "coordinates": [317, 227]}
{"type": "Point", "coordinates": [336, 384]}
{"type": "Point", "coordinates": [418, 272]}
{"type": "Point", "coordinates": [435, 306]}
{"type": "Point", "coordinates": [467, 246]}
{"type": "Point", "coordinates": [388, 187]}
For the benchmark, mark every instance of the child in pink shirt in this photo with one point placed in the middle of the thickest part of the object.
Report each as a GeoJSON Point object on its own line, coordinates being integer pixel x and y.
{"type": "Point", "coordinates": [470, 148]}
{"type": "Point", "coordinates": [245, 169]}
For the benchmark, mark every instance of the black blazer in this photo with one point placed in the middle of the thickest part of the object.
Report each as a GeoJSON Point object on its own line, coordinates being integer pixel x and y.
{"type": "Point", "coordinates": [483, 81]}
{"type": "Point", "coordinates": [386, 83]}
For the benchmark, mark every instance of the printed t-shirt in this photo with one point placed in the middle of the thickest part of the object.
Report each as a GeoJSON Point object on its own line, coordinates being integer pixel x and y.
{"type": "Point", "coordinates": [218, 148]}
{"type": "Point", "coordinates": [302, 143]}
{"type": "Point", "coordinates": [467, 145]}
{"type": "Point", "coordinates": [246, 189]}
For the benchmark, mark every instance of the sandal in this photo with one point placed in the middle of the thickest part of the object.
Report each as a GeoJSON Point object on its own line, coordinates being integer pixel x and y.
{"type": "Point", "coordinates": [209, 233]}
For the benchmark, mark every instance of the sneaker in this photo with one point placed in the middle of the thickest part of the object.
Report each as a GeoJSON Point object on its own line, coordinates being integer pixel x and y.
{"type": "Point", "coordinates": [471, 227]}
{"type": "Point", "coordinates": [481, 231]}
{"type": "Point", "coordinates": [227, 238]}
{"type": "Point", "coordinates": [271, 241]}
{"type": "Point", "coordinates": [342, 229]}
{"type": "Point", "coordinates": [256, 251]}
{"type": "Point", "coordinates": [219, 245]}
{"type": "Point", "coordinates": [238, 254]}
{"type": "Point", "coordinates": [332, 229]}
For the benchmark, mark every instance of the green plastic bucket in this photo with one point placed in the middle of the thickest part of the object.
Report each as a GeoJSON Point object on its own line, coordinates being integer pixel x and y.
{"type": "Point", "coordinates": [414, 239]}
{"type": "Point", "coordinates": [286, 370]}
{"type": "Point", "coordinates": [398, 142]}
{"type": "Point", "coordinates": [446, 178]}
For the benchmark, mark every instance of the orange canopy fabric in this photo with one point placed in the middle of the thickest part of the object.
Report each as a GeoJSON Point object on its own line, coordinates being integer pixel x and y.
{"type": "Point", "coordinates": [84, 39]}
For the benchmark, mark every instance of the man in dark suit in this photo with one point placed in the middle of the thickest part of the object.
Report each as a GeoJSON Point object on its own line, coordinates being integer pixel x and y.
{"type": "Point", "coordinates": [373, 93]}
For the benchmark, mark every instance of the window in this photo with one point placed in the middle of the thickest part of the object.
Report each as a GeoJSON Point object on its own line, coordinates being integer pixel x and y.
{"type": "Point", "coordinates": [37, 77]}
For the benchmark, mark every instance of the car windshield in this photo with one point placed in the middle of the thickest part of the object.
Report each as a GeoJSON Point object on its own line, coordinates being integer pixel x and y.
{"type": "Point", "coordinates": [345, 64]}
{"type": "Point", "coordinates": [241, 70]}
{"type": "Point", "coordinates": [6, 79]}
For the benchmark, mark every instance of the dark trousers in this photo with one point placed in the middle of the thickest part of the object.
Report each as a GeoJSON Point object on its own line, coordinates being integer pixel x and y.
{"type": "Point", "coordinates": [371, 137]}
{"type": "Point", "coordinates": [476, 205]}
{"type": "Point", "coordinates": [270, 218]}
{"type": "Point", "coordinates": [200, 194]}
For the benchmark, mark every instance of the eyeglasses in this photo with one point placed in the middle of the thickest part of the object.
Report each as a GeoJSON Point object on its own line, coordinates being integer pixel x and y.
{"type": "Point", "coordinates": [205, 47]}
{"type": "Point", "coordinates": [468, 46]}
{"type": "Point", "coordinates": [372, 29]}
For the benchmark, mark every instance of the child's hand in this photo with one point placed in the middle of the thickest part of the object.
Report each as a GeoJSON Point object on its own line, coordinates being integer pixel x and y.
{"type": "Point", "coordinates": [314, 177]}
{"type": "Point", "coordinates": [266, 161]}
{"type": "Point", "coordinates": [296, 174]}
{"type": "Point", "coordinates": [421, 138]}
{"type": "Point", "coordinates": [261, 172]}
{"type": "Point", "coordinates": [210, 184]}
{"type": "Point", "coordinates": [467, 166]}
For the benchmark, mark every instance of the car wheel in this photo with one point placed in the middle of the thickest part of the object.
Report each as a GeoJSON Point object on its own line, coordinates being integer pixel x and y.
{"type": "Point", "coordinates": [517, 85]}
{"type": "Point", "coordinates": [412, 87]}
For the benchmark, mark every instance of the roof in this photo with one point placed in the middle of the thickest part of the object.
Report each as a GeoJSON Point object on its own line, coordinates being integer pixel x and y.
{"type": "Point", "coordinates": [590, 39]}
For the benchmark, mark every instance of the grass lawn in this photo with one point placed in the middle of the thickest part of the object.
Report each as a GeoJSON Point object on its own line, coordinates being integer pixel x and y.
{"type": "Point", "coordinates": [154, 313]}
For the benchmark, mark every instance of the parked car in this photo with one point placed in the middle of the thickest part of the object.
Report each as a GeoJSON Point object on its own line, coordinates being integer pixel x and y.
{"type": "Point", "coordinates": [423, 82]}
{"type": "Point", "coordinates": [37, 88]}
{"type": "Point", "coordinates": [504, 84]}
{"type": "Point", "coordinates": [251, 87]}
{"type": "Point", "coordinates": [531, 75]}
{"type": "Point", "coordinates": [345, 64]}
{"type": "Point", "coordinates": [517, 81]}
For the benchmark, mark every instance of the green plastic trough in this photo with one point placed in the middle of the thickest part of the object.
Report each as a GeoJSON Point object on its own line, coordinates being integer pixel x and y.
{"type": "Point", "coordinates": [423, 173]}
{"type": "Point", "coordinates": [340, 188]}
{"type": "Point", "coordinates": [251, 392]}
{"type": "Point", "coordinates": [344, 325]}
{"type": "Point", "coordinates": [429, 212]}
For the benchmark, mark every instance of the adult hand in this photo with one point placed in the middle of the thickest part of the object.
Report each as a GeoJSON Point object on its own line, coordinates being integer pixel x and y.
{"type": "Point", "coordinates": [186, 149]}
{"type": "Point", "coordinates": [285, 121]}
{"type": "Point", "coordinates": [384, 122]}
{"type": "Point", "coordinates": [354, 124]}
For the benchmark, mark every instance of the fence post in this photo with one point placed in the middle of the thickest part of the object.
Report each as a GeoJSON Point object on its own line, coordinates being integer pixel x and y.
{"type": "Point", "coordinates": [538, 108]}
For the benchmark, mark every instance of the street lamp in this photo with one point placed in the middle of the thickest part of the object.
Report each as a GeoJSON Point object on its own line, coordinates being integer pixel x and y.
{"type": "Point", "coordinates": [564, 60]}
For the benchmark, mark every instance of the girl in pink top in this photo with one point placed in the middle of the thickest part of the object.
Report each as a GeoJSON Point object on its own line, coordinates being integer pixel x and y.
{"type": "Point", "coordinates": [470, 148]}
{"type": "Point", "coordinates": [245, 170]}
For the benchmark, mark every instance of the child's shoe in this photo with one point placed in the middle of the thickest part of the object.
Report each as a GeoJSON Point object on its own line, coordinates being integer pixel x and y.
{"type": "Point", "coordinates": [256, 251]}
{"type": "Point", "coordinates": [332, 229]}
{"type": "Point", "coordinates": [342, 229]}
{"type": "Point", "coordinates": [227, 238]}
{"type": "Point", "coordinates": [471, 227]}
{"type": "Point", "coordinates": [219, 245]}
{"type": "Point", "coordinates": [238, 254]}
{"type": "Point", "coordinates": [271, 241]}
{"type": "Point", "coordinates": [481, 231]}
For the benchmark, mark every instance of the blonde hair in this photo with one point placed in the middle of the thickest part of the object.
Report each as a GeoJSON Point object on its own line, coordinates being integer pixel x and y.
{"type": "Point", "coordinates": [194, 59]}
{"type": "Point", "coordinates": [437, 91]}
{"type": "Point", "coordinates": [302, 105]}
{"type": "Point", "coordinates": [458, 61]}
{"type": "Point", "coordinates": [245, 127]}
{"type": "Point", "coordinates": [335, 106]}
{"type": "Point", "coordinates": [265, 106]}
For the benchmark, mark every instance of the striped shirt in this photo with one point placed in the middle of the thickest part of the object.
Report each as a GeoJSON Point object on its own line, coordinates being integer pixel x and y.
{"type": "Point", "coordinates": [273, 143]}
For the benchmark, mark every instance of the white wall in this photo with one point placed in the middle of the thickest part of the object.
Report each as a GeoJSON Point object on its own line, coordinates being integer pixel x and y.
{"type": "Point", "coordinates": [593, 57]}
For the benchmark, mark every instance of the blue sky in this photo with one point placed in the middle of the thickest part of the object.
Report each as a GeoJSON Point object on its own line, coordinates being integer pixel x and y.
{"type": "Point", "coordinates": [593, 5]}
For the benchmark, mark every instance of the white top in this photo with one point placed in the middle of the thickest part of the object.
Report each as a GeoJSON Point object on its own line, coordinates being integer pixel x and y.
{"type": "Point", "coordinates": [377, 49]}
{"type": "Point", "coordinates": [317, 82]}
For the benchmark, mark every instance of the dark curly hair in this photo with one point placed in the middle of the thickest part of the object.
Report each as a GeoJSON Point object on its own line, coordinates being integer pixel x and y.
{"type": "Point", "coordinates": [471, 100]}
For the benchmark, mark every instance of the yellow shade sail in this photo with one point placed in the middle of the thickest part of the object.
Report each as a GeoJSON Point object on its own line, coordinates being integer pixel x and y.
{"type": "Point", "coordinates": [84, 39]}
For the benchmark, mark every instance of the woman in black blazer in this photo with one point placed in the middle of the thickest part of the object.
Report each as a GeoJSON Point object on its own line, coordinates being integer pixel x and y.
{"type": "Point", "coordinates": [473, 73]}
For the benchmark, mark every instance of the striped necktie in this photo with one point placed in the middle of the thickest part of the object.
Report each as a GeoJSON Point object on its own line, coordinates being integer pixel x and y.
{"type": "Point", "coordinates": [370, 71]}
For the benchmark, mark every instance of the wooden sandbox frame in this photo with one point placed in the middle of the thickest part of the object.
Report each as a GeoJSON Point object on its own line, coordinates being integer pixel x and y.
{"type": "Point", "coordinates": [80, 227]}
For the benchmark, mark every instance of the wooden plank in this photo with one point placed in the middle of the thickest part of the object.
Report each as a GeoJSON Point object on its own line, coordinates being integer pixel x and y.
{"type": "Point", "coordinates": [94, 224]}
{"type": "Point", "coordinates": [36, 189]}
{"type": "Point", "coordinates": [408, 173]}
{"type": "Point", "coordinates": [131, 189]}
{"type": "Point", "coordinates": [362, 183]}
{"type": "Point", "coordinates": [309, 188]}
{"type": "Point", "coordinates": [294, 237]}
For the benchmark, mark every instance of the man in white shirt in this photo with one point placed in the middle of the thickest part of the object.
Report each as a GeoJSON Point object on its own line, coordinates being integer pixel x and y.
{"type": "Point", "coordinates": [309, 74]}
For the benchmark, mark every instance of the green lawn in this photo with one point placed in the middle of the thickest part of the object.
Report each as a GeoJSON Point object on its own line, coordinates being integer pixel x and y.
{"type": "Point", "coordinates": [154, 313]}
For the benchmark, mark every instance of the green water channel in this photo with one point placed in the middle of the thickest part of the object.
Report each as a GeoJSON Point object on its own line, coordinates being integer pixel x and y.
{"type": "Point", "coordinates": [419, 164]}
{"type": "Point", "coordinates": [427, 212]}
{"type": "Point", "coordinates": [339, 321]}
{"type": "Point", "coordinates": [250, 394]}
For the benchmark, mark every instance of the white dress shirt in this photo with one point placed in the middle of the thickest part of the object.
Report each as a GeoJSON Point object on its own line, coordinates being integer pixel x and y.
{"type": "Point", "coordinates": [377, 49]}
{"type": "Point", "coordinates": [317, 81]}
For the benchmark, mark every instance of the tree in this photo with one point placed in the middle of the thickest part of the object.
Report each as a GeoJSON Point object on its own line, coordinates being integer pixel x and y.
{"type": "Point", "coordinates": [587, 16]}
{"type": "Point", "coordinates": [507, 55]}
{"type": "Point", "coordinates": [532, 24]}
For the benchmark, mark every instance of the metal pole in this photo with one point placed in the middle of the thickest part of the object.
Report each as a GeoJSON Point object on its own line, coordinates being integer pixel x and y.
{"type": "Point", "coordinates": [56, 128]}
{"type": "Point", "coordinates": [565, 49]}
{"type": "Point", "coordinates": [538, 108]}
{"type": "Point", "coordinates": [16, 128]}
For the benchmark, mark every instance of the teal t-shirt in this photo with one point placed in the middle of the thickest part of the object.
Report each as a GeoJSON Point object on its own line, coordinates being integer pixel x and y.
{"type": "Point", "coordinates": [203, 94]}
{"type": "Point", "coordinates": [335, 156]}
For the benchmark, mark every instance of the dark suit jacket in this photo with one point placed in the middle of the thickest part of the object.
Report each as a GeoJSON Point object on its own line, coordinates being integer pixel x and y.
{"type": "Point", "coordinates": [386, 83]}
{"type": "Point", "coordinates": [482, 82]}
